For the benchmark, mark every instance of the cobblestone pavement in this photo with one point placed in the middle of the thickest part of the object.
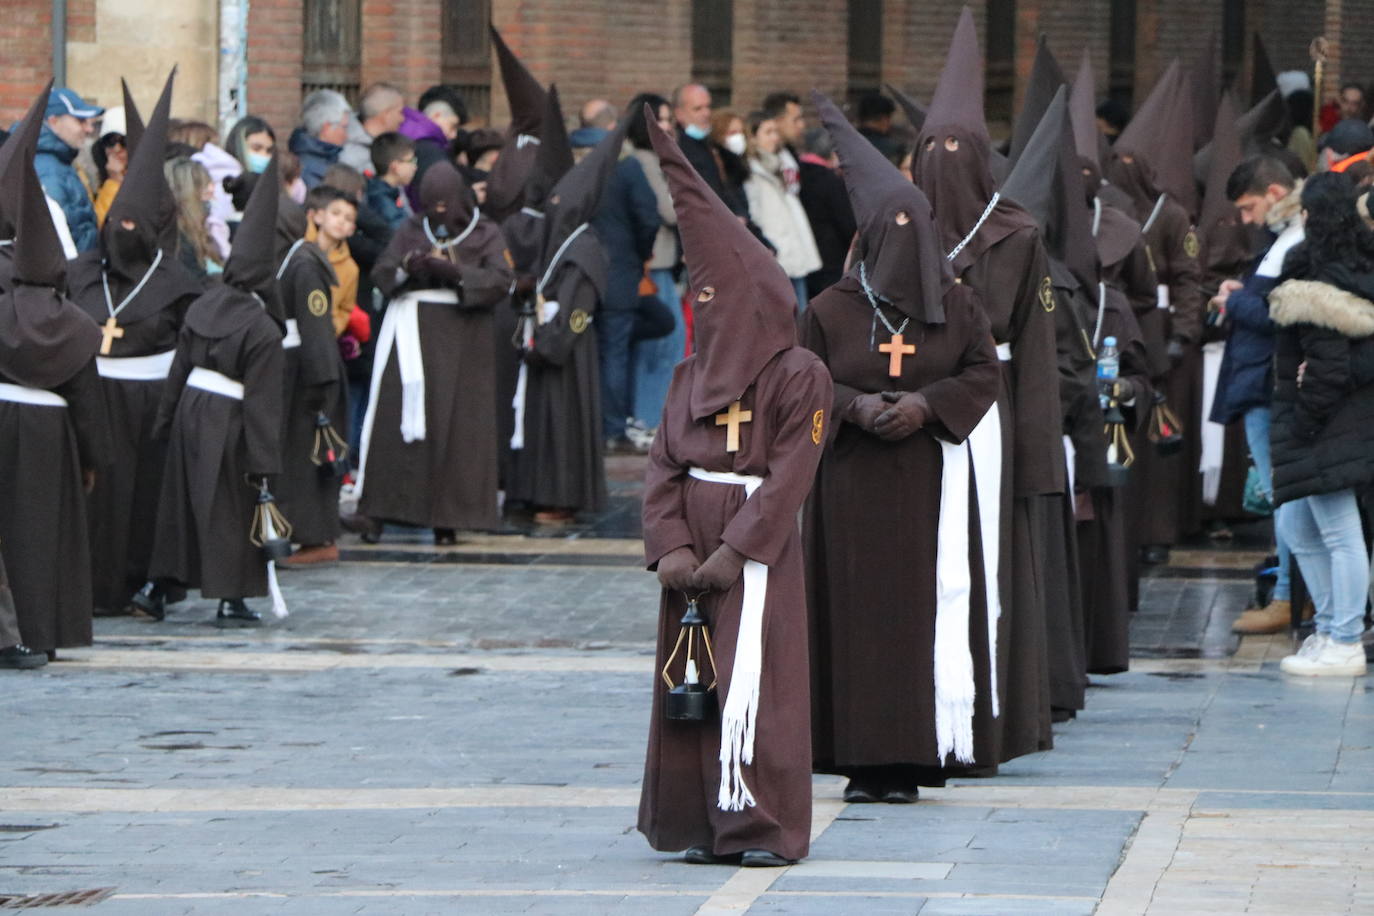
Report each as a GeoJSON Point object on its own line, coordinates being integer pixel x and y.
{"type": "Point", "coordinates": [461, 731]}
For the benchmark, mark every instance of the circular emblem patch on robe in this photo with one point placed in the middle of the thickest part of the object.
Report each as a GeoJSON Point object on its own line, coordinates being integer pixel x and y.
{"type": "Point", "coordinates": [578, 321]}
{"type": "Point", "coordinates": [318, 303]}
{"type": "Point", "coordinates": [1047, 294]}
{"type": "Point", "coordinates": [1190, 244]}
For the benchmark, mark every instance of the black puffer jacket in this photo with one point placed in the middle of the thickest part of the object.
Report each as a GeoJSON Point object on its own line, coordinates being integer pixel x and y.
{"type": "Point", "coordinates": [1323, 431]}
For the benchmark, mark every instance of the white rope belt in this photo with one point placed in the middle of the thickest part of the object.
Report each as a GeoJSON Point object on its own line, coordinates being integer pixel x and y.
{"type": "Point", "coordinates": [19, 394]}
{"type": "Point", "coordinates": [292, 338]}
{"type": "Point", "coordinates": [1004, 352]}
{"type": "Point", "coordinates": [740, 714]}
{"type": "Point", "coordinates": [136, 368]}
{"type": "Point", "coordinates": [215, 383]}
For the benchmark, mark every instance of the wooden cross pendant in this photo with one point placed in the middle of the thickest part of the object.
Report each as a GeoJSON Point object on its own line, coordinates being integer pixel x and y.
{"type": "Point", "coordinates": [896, 349]}
{"type": "Point", "coordinates": [109, 331]}
{"type": "Point", "coordinates": [731, 420]}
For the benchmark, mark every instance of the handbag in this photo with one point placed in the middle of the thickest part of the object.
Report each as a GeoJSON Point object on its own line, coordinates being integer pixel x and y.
{"type": "Point", "coordinates": [1256, 500]}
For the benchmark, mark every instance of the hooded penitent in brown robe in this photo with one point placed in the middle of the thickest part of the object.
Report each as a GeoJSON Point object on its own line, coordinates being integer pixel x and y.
{"type": "Point", "coordinates": [1146, 165]}
{"type": "Point", "coordinates": [222, 416]}
{"type": "Point", "coordinates": [429, 455]}
{"type": "Point", "coordinates": [52, 416]}
{"type": "Point", "coordinates": [997, 251]}
{"type": "Point", "coordinates": [315, 385]}
{"type": "Point", "coordinates": [558, 431]}
{"type": "Point", "coordinates": [742, 430]}
{"type": "Point", "coordinates": [1046, 180]}
{"type": "Point", "coordinates": [141, 291]}
{"type": "Point", "coordinates": [524, 233]}
{"type": "Point", "coordinates": [509, 178]}
{"type": "Point", "coordinates": [902, 671]}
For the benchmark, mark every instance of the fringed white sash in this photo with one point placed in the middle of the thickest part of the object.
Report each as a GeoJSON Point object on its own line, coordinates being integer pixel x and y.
{"type": "Point", "coordinates": [401, 330]}
{"type": "Point", "coordinates": [1213, 434]}
{"type": "Point", "coordinates": [1070, 458]}
{"type": "Point", "coordinates": [955, 690]}
{"type": "Point", "coordinates": [739, 717]}
{"type": "Point", "coordinates": [273, 588]}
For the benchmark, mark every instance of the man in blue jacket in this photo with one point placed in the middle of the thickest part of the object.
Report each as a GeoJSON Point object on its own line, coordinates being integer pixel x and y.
{"type": "Point", "coordinates": [1266, 195]}
{"type": "Point", "coordinates": [69, 121]}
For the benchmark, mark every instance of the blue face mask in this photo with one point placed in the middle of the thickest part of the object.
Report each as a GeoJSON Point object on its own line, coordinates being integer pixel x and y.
{"type": "Point", "coordinates": [212, 269]}
{"type": "Point", "coordinates": [257, 162]}
{"type": "Point", "coordinates": [696, 133]}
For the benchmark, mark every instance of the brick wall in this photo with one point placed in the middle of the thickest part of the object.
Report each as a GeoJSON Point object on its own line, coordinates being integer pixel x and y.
{"type": "Point", "coordinates": [401, 44]}
{"type": "Point", "coordinates": [275, 29]}
{"type": "Point", "coordinates": [25, 55]}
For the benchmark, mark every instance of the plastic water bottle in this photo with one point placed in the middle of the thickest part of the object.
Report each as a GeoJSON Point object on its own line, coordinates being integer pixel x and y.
{"type": "Point", "coordinates": [1108, 368]}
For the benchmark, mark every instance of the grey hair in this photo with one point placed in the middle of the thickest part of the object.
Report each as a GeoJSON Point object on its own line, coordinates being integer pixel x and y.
{"type": "Point", "coordinates": [321, 107]}
{"type": "Point", "coordinates": [677, 92]}
{"type": "Point", "coordinates": [377, 98]}
{"type": "Point", "coordinates": [817, 140]}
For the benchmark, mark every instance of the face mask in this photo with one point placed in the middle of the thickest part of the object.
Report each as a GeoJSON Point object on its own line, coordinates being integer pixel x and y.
{"type": "Point", "coordinates": [696, 133]}
{"type": "Point", "coordinates": [212, 269]}
{"type": "Point", "coordinates": [736, 144]}
{"type": "Point", "coordinates": [257, 162]}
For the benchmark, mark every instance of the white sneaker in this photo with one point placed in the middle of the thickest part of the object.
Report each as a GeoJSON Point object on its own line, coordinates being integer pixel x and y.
{"type": "Point", "coordinates": [1312, 645]}
{"type": "Point", "coordinates": [1330, 659]}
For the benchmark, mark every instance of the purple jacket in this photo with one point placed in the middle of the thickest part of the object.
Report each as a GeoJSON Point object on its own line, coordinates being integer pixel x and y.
{"type": "Point", "coordinates": [431, 146]}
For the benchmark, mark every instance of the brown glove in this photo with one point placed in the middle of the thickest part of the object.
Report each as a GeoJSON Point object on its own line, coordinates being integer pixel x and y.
{"type": "Point", "coordinates": [908, 412]}
{"type": "Point", "coordinates": [865, 410]}
{"type": "Point", "coordinates": [676, 569]}
{"type": "Point", "coordinates": [721, 570]}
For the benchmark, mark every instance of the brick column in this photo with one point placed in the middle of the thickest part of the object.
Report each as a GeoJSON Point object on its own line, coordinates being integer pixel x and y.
{"type": "Point", "coordinates": [275, 49]}
{"type": "Point", "coordinates": [25, 55]}
{"type": "Point", "coordinates": [402, 44]}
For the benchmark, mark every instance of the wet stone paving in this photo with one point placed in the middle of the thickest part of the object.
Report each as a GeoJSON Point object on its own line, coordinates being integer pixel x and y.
{"type": "Point", "coordinates": [461, 730]}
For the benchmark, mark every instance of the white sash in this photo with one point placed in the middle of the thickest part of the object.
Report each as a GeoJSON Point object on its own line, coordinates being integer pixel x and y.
{"type": "Point", "coordinates": [1070, 457]}
{"type": "Point", "coordinates": [292, 338]}
{"type": "Point", "coordinates": [401, 330]}
{"type": "Point", "coordinates": [1004, 352]}
{"type": "Point", "coordinates": [37, 397]}
{"type": "Point", "coordinates": [955, 690]}
{"type": "Point", "coordinates": [215, 383]}
{"type": "Point", "coordinates": [738, 718]}
{"type": "Point", "coordinates": [152, 368]}
{"type": "Point", "coordinates": [1213, 434]}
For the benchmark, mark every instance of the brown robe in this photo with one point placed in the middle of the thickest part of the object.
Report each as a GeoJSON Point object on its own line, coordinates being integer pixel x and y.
{"type": "Point", "coordinates": [9, 620]}
{"type": "Point", "coordinates": [448, 479]}
{"type": "Point", "coordinates": [870, 531]}
{"type": "Point", "coordinates": [314, 382]}
{"type": "Point", "coordinates": [215, 444]}
{"type": "Point", "coordinates": [44, 541]}
{"type": "Point", "coordinates": [561, 465]}
{"type": "Point", "coordinates": [1010, 278]}
{"type": "Point", "coordinates": [678, 808]}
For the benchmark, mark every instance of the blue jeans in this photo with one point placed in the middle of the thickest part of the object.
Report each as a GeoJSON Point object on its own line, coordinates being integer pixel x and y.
{"type": "Point", "coordinates": [1324, 533]}
{"type": "Point", "coordinates": [1257, 422]}
{"type": "Point", "coordinates": [799, 284]}
{"type": "Point", "coordinates": [614, 334]}
{"type": "Point", "coordinates": [654, 360]}
{"type": "Point", "coordinates": [358, 391]}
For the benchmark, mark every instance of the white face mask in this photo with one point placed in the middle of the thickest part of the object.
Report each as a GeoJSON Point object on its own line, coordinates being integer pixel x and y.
{"type": "Point", "coordinates": [736, 144]}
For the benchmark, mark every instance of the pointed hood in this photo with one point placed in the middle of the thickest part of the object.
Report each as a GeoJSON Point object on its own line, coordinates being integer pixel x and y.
{"type": "Point", "coordinates": [553, 158]}
{"type": "Point", "coordinates": [1226, 241]}
{"type": "Point", "coordinates": [45, 340]}
{"type": "Point", "coordinates": [133, 121]}
{"type": "Point", "coordinates": [1262, 78]}
{"type": "Point", "coordinates": [507, 185]}
{"type": "Point", "coordinates": [1266, 120]}
{"type": "Point", "coordinates": [915, 114]}
{"type": "Point", "coordinates": [1153, 155]}
{"type": "Point", "coordinates": [144, 199]}
{"type": "Point", "coordinates": [252, 264]}
{"type": "Point", "coordinates": [743, 304]}
{"type": "Point", "coordinates": [577, 195]}
{"type": "Point", "coordinates": [19, 149]}
{"type": "Point", "coordinates": [448, 203]}
{"type": "Point", "coordinates": [958, 98]}
{"type": "Point", "coordinates": [1046, 77]}
{"type": "Point", "coordinates": [1206, 87]}
{"type": "Point", "coordinates": [898, 245]}
{"type": "Point", "coordinates": [1048, 183]}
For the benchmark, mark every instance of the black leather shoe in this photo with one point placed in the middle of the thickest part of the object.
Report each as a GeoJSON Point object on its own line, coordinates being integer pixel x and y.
{"type": "Point", "coordinates": [857, 793]}
{"type": "Point", "coordinates": [762, 858]}
{"type": "Point", "coordinates": [445, 537]}
{"type": "Point", "coordinates": [150, 601]}
{"type": "Point", "coordinates": [1154, 555]}
{"type": "Point", "coordinates": [22, 657]}
{"type": "Point", "coordinates": [901, 796]}
{"type": "Point", "coordinates": [702, 855]}
{"type": "Point", "coordinates": [234, 613]}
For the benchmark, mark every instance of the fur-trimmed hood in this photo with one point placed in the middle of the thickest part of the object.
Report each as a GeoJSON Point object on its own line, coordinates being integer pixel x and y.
{"type": "Point", "coordinates": [1283, 213]}
{"type": "Point", "coordinates": [1313, 302]}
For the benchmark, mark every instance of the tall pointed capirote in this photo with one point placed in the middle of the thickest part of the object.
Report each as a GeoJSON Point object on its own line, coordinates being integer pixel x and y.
{"type": "Point", "coordinates": [18, 150]}
{"type": "Point", "coordinates": [133, 121]}
{"type": "Point", "coordinates": [915, 113]}
{"type": "Point", "coordinates": [252, 264]}
{"type": "Point", "coordinates": [958, 98]}
{"type": "Point", "coordinates": [1087, 138]}
{"type": "Point", "coordinates": [523, 92]}
{"type": "Point", "coordinates": [1046, 77]}
{"type": "Point", "coordinates": [1161, 134]}
{"type": "Point", "coordinates": [743, 303]}
{"type": "Point", "coordinates": [1226, 242]}
{"type": "Point", "coordinates": [1262, 77]}
{"type": "Point", "coordinates": [144, 197]}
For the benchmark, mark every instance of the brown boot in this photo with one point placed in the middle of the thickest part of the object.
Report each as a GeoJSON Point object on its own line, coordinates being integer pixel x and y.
{"type": "Point", "coordinates": [318, 555]}
{"type": "Point", "coordinates": [1275, 617]}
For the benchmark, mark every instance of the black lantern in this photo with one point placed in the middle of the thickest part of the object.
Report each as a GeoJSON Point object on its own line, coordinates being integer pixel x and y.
{"type": "Point", "coordinates": [330, 452]}
{"type": "Point", "coordinates": [1166, 432]}
{"type": "Point", "coordinates": [694, 698]}
{"type": "Point", "coordinates": [271, 531]}
{"type": "Point", "coordinates": [1120, 455]}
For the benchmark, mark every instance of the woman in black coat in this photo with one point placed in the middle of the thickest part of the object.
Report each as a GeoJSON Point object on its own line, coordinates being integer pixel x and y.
{"type": "Point", "coordinates": [1323, 430]}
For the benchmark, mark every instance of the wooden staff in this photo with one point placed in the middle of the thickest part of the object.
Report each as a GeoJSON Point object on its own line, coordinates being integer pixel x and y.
{"type": "Point", "coordinates": [1320, 51]}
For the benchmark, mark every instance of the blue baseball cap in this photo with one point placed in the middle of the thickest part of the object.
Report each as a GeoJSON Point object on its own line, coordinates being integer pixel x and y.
{"type": "Point", "coordinates": [65, 101]}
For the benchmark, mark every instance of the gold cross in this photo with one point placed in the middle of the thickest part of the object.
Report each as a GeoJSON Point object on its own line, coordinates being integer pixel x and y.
{"type": "Point", "coordinates": [731, 420]}
{"type": "Point", "coordinates": [109, 331]}
{"type": "Point", "coordinates": [896, 349]}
